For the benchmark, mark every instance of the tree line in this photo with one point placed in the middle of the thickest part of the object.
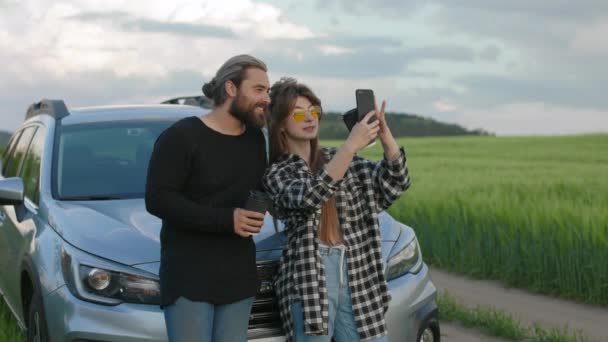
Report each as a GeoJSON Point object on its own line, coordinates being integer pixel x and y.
{"type": "Point", "coordinates": [402, 125]}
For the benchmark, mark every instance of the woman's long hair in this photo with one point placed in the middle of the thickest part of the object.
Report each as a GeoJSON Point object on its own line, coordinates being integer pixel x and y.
{"type": "Point", "coordinates": [283, 96]}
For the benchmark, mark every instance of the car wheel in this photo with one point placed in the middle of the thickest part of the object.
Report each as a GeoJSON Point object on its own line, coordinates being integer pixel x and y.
{"type": "Point", "coordinates": [36, 327]}
{"type": "Point", "coordinates": [430, 332]}
{"type": "Point", "coordinates": [427, 335]}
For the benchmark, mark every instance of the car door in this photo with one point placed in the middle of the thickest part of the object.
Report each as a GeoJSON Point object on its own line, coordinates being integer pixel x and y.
{"type": "Point", "coordinates": [20, 239]}
{"type": "Point", "coordinates": [8, 226]}
{"type": "Point", "coordinates": [3, 248]}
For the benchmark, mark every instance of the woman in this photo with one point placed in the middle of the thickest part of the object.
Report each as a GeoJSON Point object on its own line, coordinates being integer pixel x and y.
{"type": "Point", "coordinates": [330, 280]}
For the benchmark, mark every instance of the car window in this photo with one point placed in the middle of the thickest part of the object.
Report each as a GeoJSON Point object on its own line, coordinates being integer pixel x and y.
{"type": "Point", "coordinates": [30, 172]}
{"type": "Point", "coordinates": [16, 157]}
{"type": "Point", "coordinates": [104, 160]}
{"type": "Point", "coordinates": [7, 152]}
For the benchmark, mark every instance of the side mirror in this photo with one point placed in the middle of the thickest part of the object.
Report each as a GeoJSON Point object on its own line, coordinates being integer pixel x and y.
{"type": "Point", "coordinates": [11, 191]}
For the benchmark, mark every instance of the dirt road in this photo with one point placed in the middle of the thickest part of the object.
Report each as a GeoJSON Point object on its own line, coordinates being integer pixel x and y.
{"type": "Point", "coordinates": [528, 308]}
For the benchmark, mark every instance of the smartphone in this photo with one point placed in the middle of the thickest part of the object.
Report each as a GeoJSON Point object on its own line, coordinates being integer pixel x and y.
{"type": "Point", "coordinates": [350, 118]}
{"type": "Point", "coordinates": [257, 201]}
{"type": "Point", "coordinates": [365, 103]}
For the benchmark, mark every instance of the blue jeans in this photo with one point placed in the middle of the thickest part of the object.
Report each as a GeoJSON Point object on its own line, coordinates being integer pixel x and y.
{"type": "Point", "coordinates": [201, 321]}
{"type": "Point", "coordinates": [342, 325]}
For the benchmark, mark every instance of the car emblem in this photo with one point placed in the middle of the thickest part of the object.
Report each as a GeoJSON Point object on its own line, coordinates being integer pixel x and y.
{"type": "Point", "coordinates": [266, 286]}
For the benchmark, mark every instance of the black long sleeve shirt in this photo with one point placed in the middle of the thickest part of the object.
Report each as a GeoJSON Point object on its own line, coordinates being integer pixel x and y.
{"type": "Point", "coordinates": [196, 177]}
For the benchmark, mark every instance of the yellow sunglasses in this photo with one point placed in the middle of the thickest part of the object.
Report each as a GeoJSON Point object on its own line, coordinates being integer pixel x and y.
{"type": "Point", "coordinates": [299, 114]}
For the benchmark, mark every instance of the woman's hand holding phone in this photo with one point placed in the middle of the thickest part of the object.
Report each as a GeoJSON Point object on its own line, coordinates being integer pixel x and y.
{"type": "Point", "coordinates": [362, 133]}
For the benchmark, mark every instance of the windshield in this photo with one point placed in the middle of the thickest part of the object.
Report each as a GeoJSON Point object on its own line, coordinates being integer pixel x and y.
{"type": "Point", "coordinates": [102, 161]}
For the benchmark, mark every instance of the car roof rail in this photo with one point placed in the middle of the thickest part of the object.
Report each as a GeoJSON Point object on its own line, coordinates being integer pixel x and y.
{"type": "Point", "coordinates": [197, 100]}
{"type": "Point", "coordinates": [55, 108]}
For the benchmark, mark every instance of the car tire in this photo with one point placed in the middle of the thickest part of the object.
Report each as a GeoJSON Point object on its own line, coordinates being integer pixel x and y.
{"type": "Point", "coordinates": [36, 322]}
{"type": "Point", "coordinates": [429, 332]}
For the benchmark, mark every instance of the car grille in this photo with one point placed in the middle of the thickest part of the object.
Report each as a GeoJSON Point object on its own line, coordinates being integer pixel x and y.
{"type": "Point", "coordinates": [264, 320]}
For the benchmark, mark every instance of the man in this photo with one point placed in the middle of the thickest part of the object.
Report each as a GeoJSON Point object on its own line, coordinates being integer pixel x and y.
{"type": "Point", "coordinates": [199, 177]}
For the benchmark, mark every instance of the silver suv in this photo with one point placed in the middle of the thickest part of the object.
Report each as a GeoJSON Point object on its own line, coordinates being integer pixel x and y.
{"type": "Point", "coordinates": [72, 213]}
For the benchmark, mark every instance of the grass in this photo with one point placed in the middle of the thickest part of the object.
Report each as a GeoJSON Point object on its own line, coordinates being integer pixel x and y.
{"type": "Point", "coordinates": [529, 211]}
{"type": "Point", "coordinates": [498, 323]}
{"type": "Point", "coordinates": [9, 330]}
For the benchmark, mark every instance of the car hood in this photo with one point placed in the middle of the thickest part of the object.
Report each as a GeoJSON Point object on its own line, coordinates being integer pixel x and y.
{"type": "Point", "coordinates": [123, 231]}
{"type": "Point", "coordinates": [120, 230]}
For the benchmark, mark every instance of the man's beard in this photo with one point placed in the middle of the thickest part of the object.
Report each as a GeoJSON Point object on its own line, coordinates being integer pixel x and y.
{"type": "Point", "coordinates": [246, 113]}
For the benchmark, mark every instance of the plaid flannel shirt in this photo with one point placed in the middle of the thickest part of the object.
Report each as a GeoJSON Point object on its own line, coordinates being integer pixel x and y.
{"type": "Point", "coordinates": [366, 189]}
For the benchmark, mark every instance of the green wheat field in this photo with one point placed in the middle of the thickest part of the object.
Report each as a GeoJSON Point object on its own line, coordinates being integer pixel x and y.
{"type": "Point", "coordinates": [529, 211]}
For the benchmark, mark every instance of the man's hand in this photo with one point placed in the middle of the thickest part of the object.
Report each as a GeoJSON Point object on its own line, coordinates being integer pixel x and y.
{"type": "Point", "coordinates": [247, 222]}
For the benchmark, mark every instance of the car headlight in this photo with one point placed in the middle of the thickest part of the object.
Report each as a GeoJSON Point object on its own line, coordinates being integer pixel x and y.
{"type": "Point", "coordinates": [407, 260]}
{"type": "Point", "coordinates": [101, 282]}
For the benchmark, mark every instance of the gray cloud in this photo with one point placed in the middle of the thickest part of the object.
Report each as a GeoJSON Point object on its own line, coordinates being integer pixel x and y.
{"type": "Point", "coordinates": [358, 41]}
{"type": "Point", "coordinates": [539, 33]}
{"type": "Point", "coordinates": [520, 30]}
{"type": "Point", "coordinates": [443, 52]}
{"type": "Point", "coordinates": [529, 40]}
{"type": "Point", "coordinates": [360, 64]}
{"type": "Point", "coordinates": [342, 40]}
{"type": "Point", "coordinates": [423, 74]}
{"type": "Point", "coordinates": [539, 22]}
{"type": "Point", "coordinates": [372, 57]}
{"type": "Point", "coordinates": [565, 9]}
{"type": "Point", "coordinates": [491, 90]}
{"type": "Point", "coordinates": [393, 9]}
{"type": "Point", "coordinates": [126, 22]}
{"type": "Point", "coordinates": [363, 62]}
{"type": "Point", "coordinates": [535, 46]}
{"type": "Point", "coordinates": [490, 53]}
{"type": "Point", "coordinates": [115, 16]}
{"type": "Point", "coordinates": [8, 3]}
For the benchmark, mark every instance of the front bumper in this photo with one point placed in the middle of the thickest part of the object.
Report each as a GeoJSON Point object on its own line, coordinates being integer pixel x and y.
{"type": "Point", "coordinates": [71, 319]}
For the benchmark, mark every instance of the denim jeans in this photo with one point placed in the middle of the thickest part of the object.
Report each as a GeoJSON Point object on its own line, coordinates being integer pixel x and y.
{"type": "Point", "coordinates": [201, 321]}
{"type": "Point", "coordinates": [342, 325]}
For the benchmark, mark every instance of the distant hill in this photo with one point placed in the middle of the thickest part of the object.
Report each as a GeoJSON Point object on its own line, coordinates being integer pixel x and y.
{"type": "Point", "coordinates": [4, 136]}
{"type": "Point", "coordinates": [401, 124]}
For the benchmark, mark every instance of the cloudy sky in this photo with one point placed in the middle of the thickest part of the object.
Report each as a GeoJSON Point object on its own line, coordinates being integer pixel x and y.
{"type": "Point", "coordinates": [513, 67]}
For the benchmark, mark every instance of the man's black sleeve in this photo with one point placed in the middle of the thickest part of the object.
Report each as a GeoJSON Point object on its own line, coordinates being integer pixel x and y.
{"type": "Point", "coordinates": [167, 174]}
